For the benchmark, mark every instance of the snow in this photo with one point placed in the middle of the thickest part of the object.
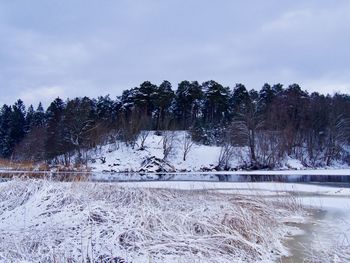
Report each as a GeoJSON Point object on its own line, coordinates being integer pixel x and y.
{"type": "Point", "coordinates": [43, 221]}
{"type": "Point", "coordinates": [330, 234]}
{"type": "Point", "coordinates": [265, 188]}
{"type": "Point", "coordinates": [118, 157]}
{"type": "Point", "coordinates": [159, 221]}
{"type": "Point", "coordinates": [294, 164]}
{"type": "Point", "coordinates": [122, 158]}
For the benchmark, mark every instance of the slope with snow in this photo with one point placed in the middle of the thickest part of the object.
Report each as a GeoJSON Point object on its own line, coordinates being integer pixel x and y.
{"type": "Point", "coordinates": [118, 157]}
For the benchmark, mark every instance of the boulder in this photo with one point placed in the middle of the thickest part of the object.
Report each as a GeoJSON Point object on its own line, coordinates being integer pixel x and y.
{"type": "Point", "coordinates": [156, 165]}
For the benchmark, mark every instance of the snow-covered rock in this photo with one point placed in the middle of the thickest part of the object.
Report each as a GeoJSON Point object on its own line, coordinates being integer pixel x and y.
{"type": "Point", "coordinates": [154, 164]}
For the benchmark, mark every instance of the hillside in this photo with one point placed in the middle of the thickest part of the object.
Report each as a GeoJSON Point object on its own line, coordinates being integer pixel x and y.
{"type": "Point", "coordinates": [270, 126]}
{"type": "Point", "coordinates": [119, 157]}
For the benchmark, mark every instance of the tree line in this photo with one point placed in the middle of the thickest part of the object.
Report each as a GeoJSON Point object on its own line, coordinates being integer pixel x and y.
{"type": "Point", "coordinates": [271, 123]}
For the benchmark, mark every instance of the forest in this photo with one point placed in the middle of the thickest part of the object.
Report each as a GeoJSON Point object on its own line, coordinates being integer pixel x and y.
{"type": "Point", "coordinates": [272, 123]}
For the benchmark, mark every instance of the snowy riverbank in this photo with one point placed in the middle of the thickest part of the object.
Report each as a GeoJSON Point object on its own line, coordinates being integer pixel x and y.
{"type": "Point", "coordinates": [171, 221]}
{"type": "Point", "coordinates": [60, 222]}
{"type": "Point", "coordinates": [119, 157]}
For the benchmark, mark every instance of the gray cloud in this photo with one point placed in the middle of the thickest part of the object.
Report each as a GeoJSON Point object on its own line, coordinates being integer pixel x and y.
{"type": "Point", "coordinates": [76, 48]}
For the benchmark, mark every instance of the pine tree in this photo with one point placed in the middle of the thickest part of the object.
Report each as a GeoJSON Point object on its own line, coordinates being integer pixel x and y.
{"type": "Point", "coordinates": [266, 96]}
{"type": "Point", "coordinates": [104, 108]}
{"type": "Point", "coordinates": [18, 121]}
{"type": "Point", "coordinates": [29, 119]}
{"type": "Point", "coordinates": [54, 141]}
{"type": "Point", "coordinates": [216, 102]}
{"type": "Point", "coordinates": [188, 101]}
{"type": "Point", "coordinates": [145, 97]}
{"type": "Point", "coordinates": [6, 141]}
{"type": "Point", "coordinates": [39, 116]}
{"type": "Point", "coordinates": [240, 100]}
{"type": "Point", "coordinates": [32, 147]}
{"type": "Point", "coordinates": [165, 96]}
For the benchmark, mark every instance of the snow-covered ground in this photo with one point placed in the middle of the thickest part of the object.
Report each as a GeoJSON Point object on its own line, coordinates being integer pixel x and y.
{"type": "Point", "coordinates": [326, 235]}
{"type": "Point", "coordinates": [117, 157]}
{"type": "Point", "coordinates": [43, 221]}
{"type": "Point", "coordinates": [121, 158]}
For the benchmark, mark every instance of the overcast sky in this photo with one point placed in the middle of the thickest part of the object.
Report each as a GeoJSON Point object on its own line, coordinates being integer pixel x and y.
{"type": "Point", "coordinates": [78, 47]}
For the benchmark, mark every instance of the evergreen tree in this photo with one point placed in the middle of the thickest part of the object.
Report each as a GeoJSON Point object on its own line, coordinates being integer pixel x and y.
{"type": "Point", "coordinates": [6, 141]}
{"type": "Point", "coordinates": [165, 96]}
{"type": "Point", "coordinates": [39, 116]}
{"type": "Point", "coordinates": [216, 102]}
{"type": "Point", "coordinates": [104, 108]}
{"type": "Point", "coordinates": [145, 97]}
{"type": "Point", "coordinates": [273, 122]}
{"type": "Point", "coordinates": [240, 100]}
{"type": "Point", "coordinates": [29, 119]}
{"type": "Point", "coordinates": [18, 121]}
{"type": "Point", "coordinates": [128, 102]}
{"type": "Point", "coordinates": [266, 96]}
{"type": "Point", "coordinates": [188, 101]}
{"type": "Point", "coordinates": [54, 144]}
{"type": "Point", "coordinates": [277, 88]}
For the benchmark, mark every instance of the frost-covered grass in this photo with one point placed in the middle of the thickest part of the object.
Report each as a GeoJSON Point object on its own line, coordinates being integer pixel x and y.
{"type": "Point", "coordinates": [44, 221]}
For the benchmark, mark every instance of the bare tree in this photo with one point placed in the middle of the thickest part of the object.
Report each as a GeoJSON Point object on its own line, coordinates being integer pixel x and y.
{"type": "Point", "coordinates": [145, 124]}
{"type": "Point", "coordinates": [32, 147]}
{"type": "Point", "coordinates": [168, 141]}
{"type": "Point", "coordinates": [244, 129]}
{"type": "Point", "coordinates": [226, 153]}
{"type": "Point", "coordinates": [337, 136]}
{"type": "Point", "coordinates": [77, 135]}
{"type": "Point", "coordinates": [131, 127]}
{"type": "Point", "coordinates": [187, 144]}
{"type": "Point", "coordinates": [143, 137]}
{"type": "Point", "coordinates": [269, 147]}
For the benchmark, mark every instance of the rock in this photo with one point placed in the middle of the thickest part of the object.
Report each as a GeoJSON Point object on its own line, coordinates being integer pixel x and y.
{"type": "Point", "coordinates": [154, 164]}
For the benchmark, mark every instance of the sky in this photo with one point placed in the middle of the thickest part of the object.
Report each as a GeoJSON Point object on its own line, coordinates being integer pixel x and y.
{"type": "Point", "coordinates": [98, 47]}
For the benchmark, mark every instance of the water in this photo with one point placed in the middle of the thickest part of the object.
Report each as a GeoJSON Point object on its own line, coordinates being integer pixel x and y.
{"type": "Point", "coordinates": [330, 180]}
{"type": "Point", "coordinates": [327, 227]}
{"type": "Point", "coordinates": [299, 245]}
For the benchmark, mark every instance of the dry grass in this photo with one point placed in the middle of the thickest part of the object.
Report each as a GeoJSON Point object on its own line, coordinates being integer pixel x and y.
{"type": "Point", "coordinates": [43, 221]}
{"type": "Point", "coordinates": [40, 166]}
{"type": "Point", "coordinates": [23, 165]}
{"type": "Point", "coordinates": [47, 175]}
{"type": "Point", "coordinates": [27, 169]}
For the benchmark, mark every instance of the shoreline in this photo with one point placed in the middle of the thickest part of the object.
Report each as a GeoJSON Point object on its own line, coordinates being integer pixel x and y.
{"type": "Point", "coordinates": [321, 171]}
